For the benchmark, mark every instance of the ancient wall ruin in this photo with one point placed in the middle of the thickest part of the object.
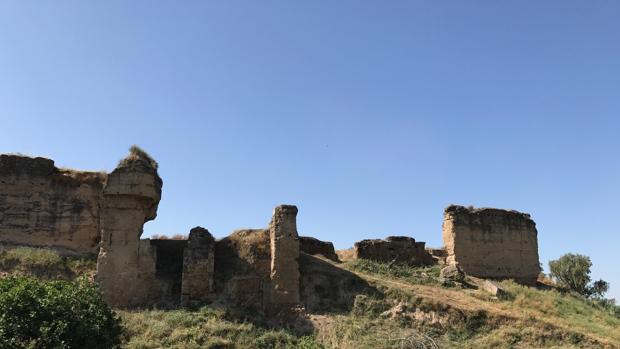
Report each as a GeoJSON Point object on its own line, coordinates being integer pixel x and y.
{"type": "Point", "coordinates": [44, 206]}
{"type": "Point", "coordinates": [284, 242]}
{"type": "Point", "coordinates": [272, 269]}
{"type": "Point", "coordinates": [492, 243]}
{"type": "Point", "coordinates": [126, 266]}
{"type": "Point", "coordinates": [313, 246]}
{"type": "Point", "coordinates": [198, 268]}
{"type": "Point", "coordinates": [394, 249]}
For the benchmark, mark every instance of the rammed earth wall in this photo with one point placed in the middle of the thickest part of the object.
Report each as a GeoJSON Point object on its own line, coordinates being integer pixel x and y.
{"type": "Point", "coordinates": [492, 243]}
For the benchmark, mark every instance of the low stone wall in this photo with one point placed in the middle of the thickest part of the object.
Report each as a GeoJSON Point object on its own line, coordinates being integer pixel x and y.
{"type": "Point", "coordinates": [314, 246]}
{"type": "Point", "coordinates": [398, 249]}
{"type": "Point", "coordinates": [492, 243]}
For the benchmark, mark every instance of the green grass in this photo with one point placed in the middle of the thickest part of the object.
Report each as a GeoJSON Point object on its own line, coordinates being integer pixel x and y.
{"type": "Point", "coordinates": [529, 318]}
{"type": "Point", "coordinates": [415, 275]}
{"type": "Point", "coordinates": [543, 318]}
{"type": "Point", "coordinates": [45, 264]}
{"type": "Point", "coordinates": [206, 328]}
{"type": "Point", "coordinates": [573, 310]}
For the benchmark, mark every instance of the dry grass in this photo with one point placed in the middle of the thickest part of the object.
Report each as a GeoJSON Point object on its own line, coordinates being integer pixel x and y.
{"type": "Point", "coordinates": [137, 154]}
{"type": "Point", "coordinates": [434, 316]}
{"type": "Point", "coordinates": [346, 255]}
{"type": "Point", "coordinates": [529, 318]}
{"type": "Point", "coordinates": [44, 263]}
{"type": "Point", "coordinates": [206, 328]}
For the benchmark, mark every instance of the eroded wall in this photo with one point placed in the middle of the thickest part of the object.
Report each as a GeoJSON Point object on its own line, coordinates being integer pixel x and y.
{"type": "Point", "coordinates": [126, 265]}
{"type": "Point", "coordinates": [313, 246]}
{"type": "Point", "coordinates": [44, 206]}
{"type": "Point", "coordinates": [492, 243]}
{"type": "Point", "coordinates": [284, 256]}
{"type": "Point", "coordinates": [198, 268]}
{"type": "Point", "coordinates": [397, 249]}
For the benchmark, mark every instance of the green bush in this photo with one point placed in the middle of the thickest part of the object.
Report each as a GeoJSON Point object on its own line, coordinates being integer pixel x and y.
{"type": "Point", "coordinates": [55, 314]}
{"type": "Point", "coordinates": [573, 272]}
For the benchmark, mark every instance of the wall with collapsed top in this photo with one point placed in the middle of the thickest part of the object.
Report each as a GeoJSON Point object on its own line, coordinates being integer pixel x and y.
{"type": "Point", "coordinates": [492, 243]}
{"type": "Point", "coordinates": [398, 249]}
{"type": "Point", "coordinates": [44, 206]}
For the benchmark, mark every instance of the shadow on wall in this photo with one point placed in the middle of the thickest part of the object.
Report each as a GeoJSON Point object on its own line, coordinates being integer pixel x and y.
{"type": "Point", "coordinates": [327, 288]}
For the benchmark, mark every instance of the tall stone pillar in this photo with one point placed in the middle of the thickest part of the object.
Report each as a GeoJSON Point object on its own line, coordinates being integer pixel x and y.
{"type": "Point", "coordinates": [198, 268]}
{"type": "Point", "coordinates": [126, 266]}
{"type": "Point", "coordinates": [284, 256]}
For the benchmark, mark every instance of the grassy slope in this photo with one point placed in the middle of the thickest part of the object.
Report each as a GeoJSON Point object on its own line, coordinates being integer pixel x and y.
{"type": "Point", "coordinates": [450, 317]}
{"type": "Point", "coordinates": [529, 318]}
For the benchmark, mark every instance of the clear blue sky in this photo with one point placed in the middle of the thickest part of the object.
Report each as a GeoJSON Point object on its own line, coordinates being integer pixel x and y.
{"type": "Point", "coordinates": [370, 116]}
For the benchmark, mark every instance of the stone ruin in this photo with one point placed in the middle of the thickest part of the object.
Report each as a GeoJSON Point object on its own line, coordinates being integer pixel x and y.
{"type": "Point", "coordinates": [99, 214]}
{"type": "Point", "coordinates": [314, 246]}
{"type": "Point", "coordinates": [394, 249]}
{"type": "Point", "coordinates": [492, 243]}
{"type": "Point", "coordinates": [44, 206]}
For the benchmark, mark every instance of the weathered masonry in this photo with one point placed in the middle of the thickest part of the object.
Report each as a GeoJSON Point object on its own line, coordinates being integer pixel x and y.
{"type": "Point", "coordinates": [44, 206]}
{"type": "Point", "coordinates": [394, 249]}
{"type": "Point", "coordinates": [272, 268]}
{"type": "Point", "coordinates": [492, 243]}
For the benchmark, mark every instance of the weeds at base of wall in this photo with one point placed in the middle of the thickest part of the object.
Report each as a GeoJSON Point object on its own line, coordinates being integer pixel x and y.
{"type": "Point", "coordinates": [44, 264]}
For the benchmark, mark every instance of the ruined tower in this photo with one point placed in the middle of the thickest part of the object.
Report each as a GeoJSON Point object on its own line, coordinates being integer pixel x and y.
{"type": "Point", "coordinates": [284, 256]}
{"type": "Point", "coordinates": [492, 243]}
{"type": "Point", "coordinates": [126, 265]}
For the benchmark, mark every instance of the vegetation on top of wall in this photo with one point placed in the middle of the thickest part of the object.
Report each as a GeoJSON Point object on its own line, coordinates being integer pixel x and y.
{"type": "Point", "coordinates": [135, 154]}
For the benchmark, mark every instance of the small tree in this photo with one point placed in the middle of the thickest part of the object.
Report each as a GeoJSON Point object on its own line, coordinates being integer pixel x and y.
{"type": "Point", "coordinates": [573, 271]}
{"type": "Point", "coordinates": [599, 288]}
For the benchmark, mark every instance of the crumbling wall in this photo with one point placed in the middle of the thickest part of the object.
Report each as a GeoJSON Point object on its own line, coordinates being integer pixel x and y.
{"type": "Point", "coordinates": [439, 255]}
{"type": "Point", "coordinates": [313, 246]}
{"type": "Point", "coordinates": [284, 256]}
{"type": "Point", "coordinates": [492, 243]}
{"type": "Point", "coordinates": [126, 266]}
{"type": "Point", "coordinates": [44, 206]}
{"type": "Point", "coordinates": [259, 267]}
{"type": "Point", "coordinates": [242, 267]}
{"type": "Point", "coordinates": [198, 268]}
{"type": "Point", "coordinates": [398, 249]}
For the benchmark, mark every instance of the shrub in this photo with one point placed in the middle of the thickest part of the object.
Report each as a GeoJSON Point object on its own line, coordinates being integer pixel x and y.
{"type": "Point", "coordinates": [599, 288]}
{"type": "Point", "coordinates": [55, 314]}
{"type": "Point", "coordinates": [572, 271]}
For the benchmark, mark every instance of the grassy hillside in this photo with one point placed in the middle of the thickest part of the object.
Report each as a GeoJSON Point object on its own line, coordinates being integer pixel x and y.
{"type": "Point", "coordinates": [414, 309]}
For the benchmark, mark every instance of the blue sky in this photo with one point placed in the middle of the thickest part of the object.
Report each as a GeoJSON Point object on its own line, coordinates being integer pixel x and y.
{"type": "Point", "coordinates": [370, 116]}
